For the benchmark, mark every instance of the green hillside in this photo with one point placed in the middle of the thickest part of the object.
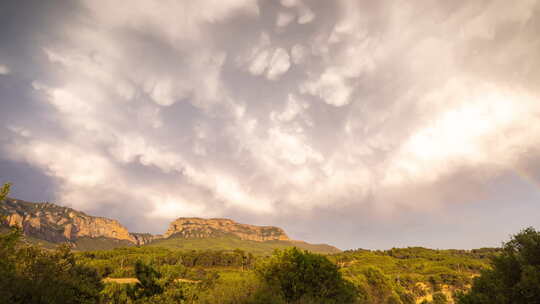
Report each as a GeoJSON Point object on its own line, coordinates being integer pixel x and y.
{"type": "Point", "coordinates": [417, 271]}
{"type": "Point", "coordinates": [400, 275]}
{"type": "Point", "coordinates": [232, 243]}
{"type": "Point", "coordinates": [101, 243]}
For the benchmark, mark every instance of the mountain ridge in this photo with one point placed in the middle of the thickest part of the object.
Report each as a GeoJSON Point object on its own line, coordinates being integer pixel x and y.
{"type": "Point", "coordinates": [189, 227]}
{"type": "Point", "coordinates": [52, 223]}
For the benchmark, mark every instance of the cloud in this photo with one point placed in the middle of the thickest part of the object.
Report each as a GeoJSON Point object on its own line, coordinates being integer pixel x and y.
{"type": "Point", "coordinates": [331, 87]}
{"type": "Point", "coordinates": [357, 113]}
{"type": "Point", "coordinates": [292, 109]}
{"type": "Point", "coordinates": [298, 54]}
{"type": "Point", "coordinates": [481, 125]}
{"type": "Point", "coordinates": [284, 19]}
{"type": "Point", "coordinates": [305, 14]}
{"type": "Point", "coordinates": [4, 70]}
{"type": "Point", "coordinates": [265, 59]}
{"type": "Point", "coordinates": [279, 64]}
{"type": "Point", "coordinates": [171, 20]}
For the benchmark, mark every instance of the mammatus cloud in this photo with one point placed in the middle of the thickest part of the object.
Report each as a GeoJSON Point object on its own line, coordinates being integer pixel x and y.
{"type": "Point", "coordinates": [4, 70]}
{"type": "Point", "coordinates": [265, 60]}
{"type": "Point", "coordinates": [277, 114]}
{"type": "Point", "coordinates": [284, 19]}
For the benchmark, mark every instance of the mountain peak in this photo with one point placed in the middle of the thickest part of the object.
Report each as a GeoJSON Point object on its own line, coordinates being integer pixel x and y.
{"type": "Point", "coordinates": [195, 227]}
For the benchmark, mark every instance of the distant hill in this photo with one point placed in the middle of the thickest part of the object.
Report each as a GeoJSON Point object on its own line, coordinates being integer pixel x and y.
{"type": "Point", "coordinates": [232, 242]}
{"type": "Point", "coordinates": [225, 234]}
{"type": "Point", "coordinates": [48, 224]}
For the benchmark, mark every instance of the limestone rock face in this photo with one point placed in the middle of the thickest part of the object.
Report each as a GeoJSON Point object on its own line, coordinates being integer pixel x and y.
{"type": "Point", "coordinates": [145, 238]}
{"type": "Point", "coordinates": [204, 228]}
{"type": "Point", "coordinates": [15, 220]}
{"type": "Point", "coordinates": [60, 224]}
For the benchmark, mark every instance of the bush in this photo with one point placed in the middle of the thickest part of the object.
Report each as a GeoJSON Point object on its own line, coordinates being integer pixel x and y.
{"type": "Point", "coordinates": [515, 274]}
{"type": "Point", "coordinates": [34, 275]}
{"type": "Point", "coordinates": [439, 298]}
{"type": "Point", "coordinates": [301, 276]}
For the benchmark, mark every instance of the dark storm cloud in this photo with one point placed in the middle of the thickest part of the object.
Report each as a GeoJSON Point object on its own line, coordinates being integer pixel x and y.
{"type": "Point", "coordinates": [357, 123]}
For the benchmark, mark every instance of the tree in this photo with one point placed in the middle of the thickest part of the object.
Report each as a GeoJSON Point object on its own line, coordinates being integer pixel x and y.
{"type": "Point", "coordinates": [34, 275]}
{"type": "Point", "coordinates": [303, 276]}
{"type": "Point", "coordinates": [4, 191]}
{"type": "Point", "coordinates": [439, 298]}
{"type": "Point", "coordinates": [515, 274]}
{"type": "Point", "coordinates": [147, 285]}
{"type": "Point", "coordinates": [115, 293]}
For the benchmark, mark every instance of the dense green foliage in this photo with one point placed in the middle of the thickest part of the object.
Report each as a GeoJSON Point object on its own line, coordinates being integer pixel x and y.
{"type": "Point", "coordinates": [150, 287]}
{"type": "Point", "coordinates": [300, 276]}
{"type": "Point", "coordinates": [439, 298]}
{"type": "Point", "coordinates": [396, 275]}
{"type": "Point", "coordinates": [514, 277]}
{"type": "Point", "coordinates": [403, 275]}
{"type": "Point", "coordinates": [290, 276]}
{"type": "Point", "coordinates": [120, 262]}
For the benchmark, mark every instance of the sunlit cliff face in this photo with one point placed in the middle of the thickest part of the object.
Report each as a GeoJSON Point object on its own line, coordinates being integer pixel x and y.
{"type": "Point", "coordinates": [364, 113]}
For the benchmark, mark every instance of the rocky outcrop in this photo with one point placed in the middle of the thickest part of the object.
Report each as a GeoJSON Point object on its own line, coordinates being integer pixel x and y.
{"type": "Point", "coordinates": [145, 238]}
{"type": "Point", "coordinates": [60, 224]}
{"type": "Point", "coordinates": [204, 228]}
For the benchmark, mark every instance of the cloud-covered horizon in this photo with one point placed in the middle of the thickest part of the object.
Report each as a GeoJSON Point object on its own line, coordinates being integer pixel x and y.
{"type": "Point", "coordinates": [355, 123]}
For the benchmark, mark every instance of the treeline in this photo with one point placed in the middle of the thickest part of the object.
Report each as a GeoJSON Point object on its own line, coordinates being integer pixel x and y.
{"type": "Point", "coordinates": [439, 255]}
{"type": "Point", "coordinates": [120, 262]}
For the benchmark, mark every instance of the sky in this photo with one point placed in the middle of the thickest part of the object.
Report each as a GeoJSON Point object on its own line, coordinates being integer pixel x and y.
{"type": "Point", "coordinates": [361, 124]}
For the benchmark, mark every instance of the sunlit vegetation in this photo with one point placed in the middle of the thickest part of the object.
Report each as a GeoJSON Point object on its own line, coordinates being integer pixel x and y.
{"type": "Point", "coordinates": [231, 243]}
{"type": "Point", "coordinates": [30, 274]}
{"type": "Point", "coordinates": [406, 275]}
{"type": "Point", "coordinates": [120, 262]}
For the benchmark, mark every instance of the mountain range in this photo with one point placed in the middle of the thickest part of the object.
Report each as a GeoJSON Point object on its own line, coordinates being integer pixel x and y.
{"type": "Point", "coordinates": [49, 224]}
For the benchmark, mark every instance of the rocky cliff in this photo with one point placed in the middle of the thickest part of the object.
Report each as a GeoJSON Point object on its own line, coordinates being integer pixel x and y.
{"type": "Point", "coordinates": [203, 228]}
{"type": "Point", "coordinates": [145, 238]}
{"type": "Point", "coordinates": [57, 224]}
{"type": "Point", "coordinates": [54, 223]}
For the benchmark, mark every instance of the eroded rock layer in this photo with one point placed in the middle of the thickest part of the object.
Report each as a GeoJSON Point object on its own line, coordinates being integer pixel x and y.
{"type": "Point", "coordinates": [59, 224]}
{"type": "Point", "coordinates": [54, 223]}
{"type": "Point", "coordinates": [202, 228]}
